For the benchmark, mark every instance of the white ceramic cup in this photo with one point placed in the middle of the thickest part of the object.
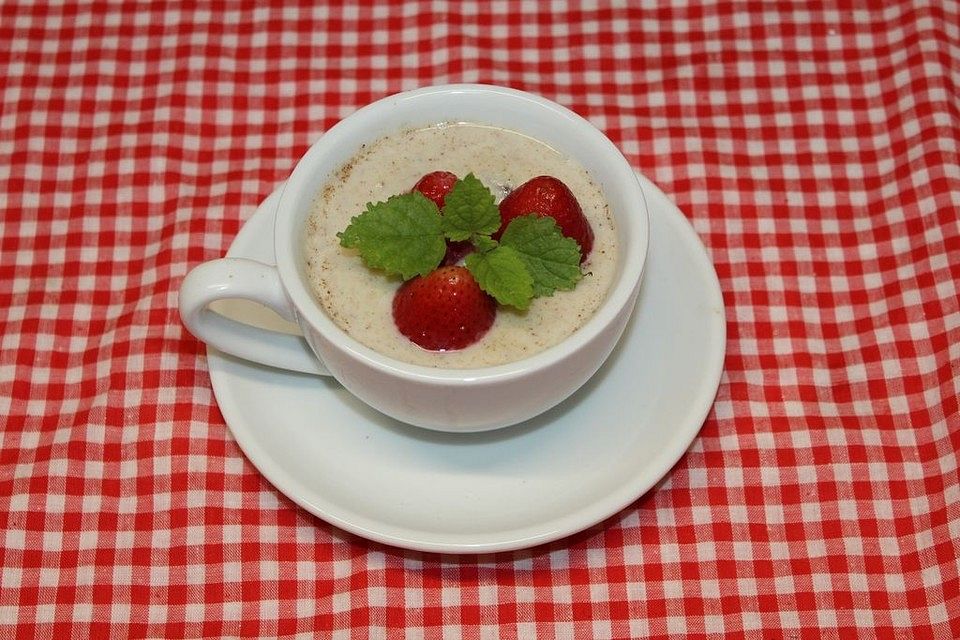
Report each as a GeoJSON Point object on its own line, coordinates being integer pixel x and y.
{"type": "Point", "coordinates": [457, 400]}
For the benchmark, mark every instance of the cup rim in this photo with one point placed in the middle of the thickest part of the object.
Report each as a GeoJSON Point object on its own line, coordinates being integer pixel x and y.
{"type": "Point", "coordinates": [621, 293]}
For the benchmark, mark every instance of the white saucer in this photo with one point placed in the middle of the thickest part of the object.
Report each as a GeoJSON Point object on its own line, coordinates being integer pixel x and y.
{"type": "Point", "coordinates": [553, 476]}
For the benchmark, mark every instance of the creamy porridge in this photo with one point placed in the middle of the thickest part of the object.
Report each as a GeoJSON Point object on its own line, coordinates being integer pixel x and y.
{"type": "Point", "coordinates": [360, 300]}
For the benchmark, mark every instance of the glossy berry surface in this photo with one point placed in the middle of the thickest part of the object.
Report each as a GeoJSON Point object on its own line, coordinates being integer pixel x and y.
{"type": "Point", "coordinates": [444, 310]}
{"type": "Point", "coordinates": [436, 185]}
{"type": "Point", "coordinates": [548, 196]}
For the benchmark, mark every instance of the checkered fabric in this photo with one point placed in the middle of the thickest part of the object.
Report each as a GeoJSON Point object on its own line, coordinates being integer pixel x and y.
{"type": "Point", "coordinates": [816, 149]}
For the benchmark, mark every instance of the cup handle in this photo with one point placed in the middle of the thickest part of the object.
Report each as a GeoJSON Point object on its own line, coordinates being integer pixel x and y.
{"type": "Point", "coordinates": [251, 280]}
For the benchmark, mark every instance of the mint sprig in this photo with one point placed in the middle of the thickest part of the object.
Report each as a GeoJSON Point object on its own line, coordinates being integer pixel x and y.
{"type": "Point", "coordinates": [502, 273]}
{"type": "Point", "coordinates": [470, 210]}
{"type": "Point", "coordinates": [552, 259]}
{"type": "Point", "coordinates": [402, 236]}
{"type": "Point", "coordinates": [406, 236]}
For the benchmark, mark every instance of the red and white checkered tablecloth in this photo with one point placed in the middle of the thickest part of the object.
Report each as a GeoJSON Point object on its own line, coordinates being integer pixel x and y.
{"type": "Point", "coordinates": [814, 146]}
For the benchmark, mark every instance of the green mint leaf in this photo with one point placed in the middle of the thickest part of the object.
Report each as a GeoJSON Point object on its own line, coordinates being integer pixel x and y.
{"type": "Point", "coordinates": [402, 236]}
{"type": "Point", "coordinates": [501, 273]}
{"type": "Point", "coordinates": [552, 259]}
{"type": "Point", "coordinates": [350, 237]}
{"type": "Point", "coordinates": [484, 243]}
{"type": "Point", "coordinates": [469, 210]}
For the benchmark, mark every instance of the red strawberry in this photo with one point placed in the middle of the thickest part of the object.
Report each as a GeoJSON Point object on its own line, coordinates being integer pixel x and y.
{"type": "Point", "coordinates": [443, 310]}
{"type": "Point", "coordinates": [436, 186]}
{"type": "Point", "coordinates": [548, 196]}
